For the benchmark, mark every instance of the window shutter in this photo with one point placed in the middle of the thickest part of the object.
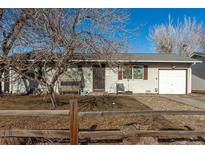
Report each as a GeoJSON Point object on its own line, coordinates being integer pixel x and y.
{"type": "Point", "coordinates": [119, 73]}
{"type": "Point", "coordinates": [145, 72]}
{"type": "Point", "coordinates": [79, 67]}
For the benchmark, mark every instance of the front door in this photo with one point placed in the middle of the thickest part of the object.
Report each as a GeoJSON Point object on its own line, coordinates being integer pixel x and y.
{"type": "Point", "coordinates": [98, 78]}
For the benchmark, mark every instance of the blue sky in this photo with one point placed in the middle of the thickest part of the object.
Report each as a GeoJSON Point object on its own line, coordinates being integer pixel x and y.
{"type": "Point", "coordinates": [151, 17]}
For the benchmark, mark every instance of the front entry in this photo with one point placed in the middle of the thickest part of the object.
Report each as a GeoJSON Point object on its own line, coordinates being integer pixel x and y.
{"type": "Point", "coordinates": [98, 78]}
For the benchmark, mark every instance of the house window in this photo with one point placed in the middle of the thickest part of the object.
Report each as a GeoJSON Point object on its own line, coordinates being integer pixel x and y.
{"type": "Point", "coordinates": [127, 72]}
{"type": "Point", "coordinates": [29, 72]}
{"type": "Point", "coordinates": [73, 68]}
{"type": "Point", "coordinates": [138, 72]}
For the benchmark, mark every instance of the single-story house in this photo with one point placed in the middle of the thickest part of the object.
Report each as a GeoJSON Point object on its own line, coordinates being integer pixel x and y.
{"type": "Point", "coordinates": [198, 72]}
{"type": "Point", "coordinates": [137, 73]}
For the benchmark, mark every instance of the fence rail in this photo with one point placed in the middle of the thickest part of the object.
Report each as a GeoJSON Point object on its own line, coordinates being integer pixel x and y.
{"type": "Point", "coordinates": [98, 113]}
{"type": "Point", "coordinates": [34, 112]}
{"type": "Point", "coordinates": [145, 112]}
{"type": "Point", "coordinates": [74, 133]}
{"type": "Point", "coordinates": [97, 135]}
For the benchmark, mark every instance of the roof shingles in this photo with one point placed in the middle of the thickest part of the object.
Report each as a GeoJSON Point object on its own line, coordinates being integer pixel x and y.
{"type": "Point", "coordinates": [147, 57]}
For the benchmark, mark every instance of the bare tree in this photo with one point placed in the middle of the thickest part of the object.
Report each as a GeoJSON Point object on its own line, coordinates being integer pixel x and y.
{"type": "Point", "coordinates": [61, 37]}
{"type": "Point", "coordinates": [12, 22]}
{"type": "Point", "coordinates": [181, 38]}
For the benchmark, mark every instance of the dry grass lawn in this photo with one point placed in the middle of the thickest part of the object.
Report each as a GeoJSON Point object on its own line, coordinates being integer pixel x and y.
{"type": "Point", "coordinates": [88, 103]}
{"type": "Point", "coordinates": [98, 103]}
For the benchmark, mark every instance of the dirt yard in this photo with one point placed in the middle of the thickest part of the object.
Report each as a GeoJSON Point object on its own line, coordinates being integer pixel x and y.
{"type": "Point", "coordinates": [188, 122]}
{"type": "Point", "coordinates": [100, 103]}
{"type": "Point", "coordinates": [158, 103]}
{"type": "Point", "coordinates": [88, 103]}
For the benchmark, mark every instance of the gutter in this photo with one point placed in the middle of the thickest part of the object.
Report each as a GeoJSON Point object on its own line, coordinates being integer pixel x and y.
{"type": "Point", "coordinates": [148, 61]}
{"type": "Point", "coordinates": [140, 61]}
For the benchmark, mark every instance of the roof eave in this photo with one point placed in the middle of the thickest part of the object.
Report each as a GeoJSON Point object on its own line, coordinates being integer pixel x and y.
{"type": "Point", "coordinates": [147, 61]}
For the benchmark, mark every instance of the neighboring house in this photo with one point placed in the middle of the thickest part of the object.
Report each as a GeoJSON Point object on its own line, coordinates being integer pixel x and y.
{"type": "Point", "coordinates": [138, 73]}
{"type": "Point", "coordinates": [198, 72]}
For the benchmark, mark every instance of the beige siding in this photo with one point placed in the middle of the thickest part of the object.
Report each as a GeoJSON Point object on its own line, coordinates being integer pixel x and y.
{"type": "Point", "coordinates": [19, 85]}
{"type": "Point", "coordinates": [140, 85]}
{"type": "Point", "coordinates": [88, 78]}
{"type": "Point", "coordinates": [134, 85]}
{"type": "Point", "coordinates": [189, 80]}
{"type": "Point", "coordinates": [111, 79]}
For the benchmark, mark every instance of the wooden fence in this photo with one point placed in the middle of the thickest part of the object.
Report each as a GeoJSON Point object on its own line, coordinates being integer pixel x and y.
{"type": "Point", "coordinates": [74, 134]}
{"type": "Point", "coordinates": [98, 113]}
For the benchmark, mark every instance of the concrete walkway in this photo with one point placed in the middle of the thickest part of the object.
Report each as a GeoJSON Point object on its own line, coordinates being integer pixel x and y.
{"type": "Point", "coordinates": [186, 100]}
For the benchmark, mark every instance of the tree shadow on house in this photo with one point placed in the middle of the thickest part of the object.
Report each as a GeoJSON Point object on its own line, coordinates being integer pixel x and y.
{"type": "Point", "coordinates": [31, 86]}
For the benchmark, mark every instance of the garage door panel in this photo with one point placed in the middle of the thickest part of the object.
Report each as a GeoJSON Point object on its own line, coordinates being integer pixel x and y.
{"type": "Point", "coordinates": [172, 81]}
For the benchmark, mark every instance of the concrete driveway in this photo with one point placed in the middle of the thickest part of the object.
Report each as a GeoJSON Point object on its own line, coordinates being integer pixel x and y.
{"type": "Point", "coordinates": [195, 100]}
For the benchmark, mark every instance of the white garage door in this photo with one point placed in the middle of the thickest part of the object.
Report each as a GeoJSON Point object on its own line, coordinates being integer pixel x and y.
{"type": "Point", "coordinates": [172, 81]}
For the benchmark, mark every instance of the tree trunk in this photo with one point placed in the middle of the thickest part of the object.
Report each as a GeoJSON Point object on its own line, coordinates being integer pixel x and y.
{"type": "Point", "coordinates": [1, 92]}
{"type": "Point", "coordinates": [1, 77]}
{"type": "Point", "coordinates": [26, 86]}
{"type": "Point", "coordinates": [52, 97]}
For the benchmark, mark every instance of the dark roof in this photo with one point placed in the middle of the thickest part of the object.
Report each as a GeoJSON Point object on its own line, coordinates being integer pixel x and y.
{"type": "Point", "coordinates": [145, 57]}
{"type": "Point", "coordinates": [200, 54]}
{"type": "Point", "coordinates": [122, 57]}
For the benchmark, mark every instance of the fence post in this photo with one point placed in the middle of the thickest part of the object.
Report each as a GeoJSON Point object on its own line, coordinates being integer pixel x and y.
{"type": "Point", "coordinates": [74, 122]}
